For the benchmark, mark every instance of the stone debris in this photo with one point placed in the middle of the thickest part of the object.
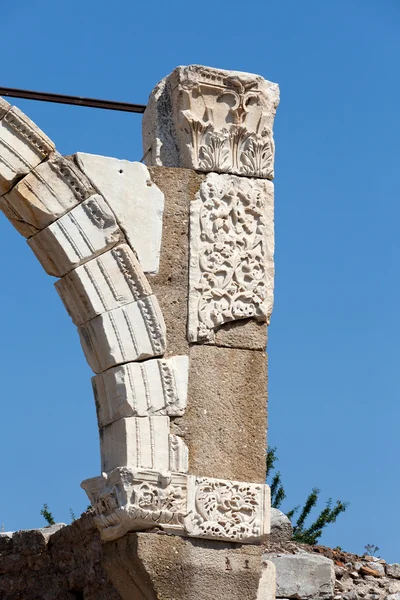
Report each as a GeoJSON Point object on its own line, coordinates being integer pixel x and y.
{"type": "Point", "coordinates": [136, 201]}
{"type": "Point", "coordinates": [304, 576]}
{"type": "Point", "coordinates": [23, 146]}
{"type": "Point", "coordinates": [81, 234]}
{"type": "Point", "coordinates": [281, 527]}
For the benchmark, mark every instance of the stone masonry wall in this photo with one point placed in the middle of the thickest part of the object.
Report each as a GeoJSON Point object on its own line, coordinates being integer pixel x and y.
{"type": "Point", "coordinates": [56, 563]}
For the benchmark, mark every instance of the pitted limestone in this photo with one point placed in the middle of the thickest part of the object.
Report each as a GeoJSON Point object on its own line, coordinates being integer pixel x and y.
{"type": "Point", "coordinates": [129, 333]}
{"type": "Point", "coordinates": [22, 147]}
{"type": "Point", "coordinates": [109, 281]}
{"type": "Point", "coordinates": [49, 191]}
{"type": "Point", "coordinates": [153, 387]}
{"type": "Point", "coordinates": [83, 233]}
{"type": "Point", "coordinates": [137, 203]}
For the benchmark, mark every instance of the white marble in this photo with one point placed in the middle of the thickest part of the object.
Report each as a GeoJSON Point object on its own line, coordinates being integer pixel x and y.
{"type": "Point", "coordinates": [109, 281]}
{"type": "Point", "coordinates": [136, 201]}
{"type": "Point", "coordinates": [233, 511]}
{"type": "Point", "coordinates": [129, 333]}
{"type": "Point", "coordinates": [4, 107]}
{"type": "Point", "coordinates": [231, 273]}
{"type": "Point", "coordinates": [81, 234]}
{"type": "Point", "coordinates": [212, 120]}
{"type": "Point", "coordinates": [129, 499]}
{"type": "Point", "coordinates": [152, 387]}
{"type": "Point", "coordinates": [178, 455]}
{"type": "Point", "coordinates": [48, 192]}
{"type": "Point", "coordinates": [22, 147]}
{"type": "Point", "coordinates": [141, 442]}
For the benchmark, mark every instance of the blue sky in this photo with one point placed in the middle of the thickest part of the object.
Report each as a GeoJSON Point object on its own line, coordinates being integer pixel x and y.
{"type": "Point", "coordinates": [334, 340]}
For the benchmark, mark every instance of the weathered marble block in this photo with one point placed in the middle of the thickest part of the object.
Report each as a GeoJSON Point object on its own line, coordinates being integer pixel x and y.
{"type": "Point", "coordinates": [152, 387]}
{"type": "Point", "coordinates": [231, 273]}
{"type": "Point", "coordinates": [129, 333]}
{"type": "Point", "coordinates": [109, 281]}
{"type": "Point", "coordinates": [137, 203]}
{"type": "Point", "coordinates": [22, 147]}
{"type": "Point", "coordinates": [83, 233]}
{"type": "Point", "coordinates": [127, 499]}
{"type": "Point", "coordinates": [4, 107]}
{"type": "Point", "coordinates": [48, 192]}
{"type": "Point", "coordinates": [23, 228]}
{"type": "Point", "coordinates": [212, 120]}
{"type": "Point", "coordinates": [141, 442]}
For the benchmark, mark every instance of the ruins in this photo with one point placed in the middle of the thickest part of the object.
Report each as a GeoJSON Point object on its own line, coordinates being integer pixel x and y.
{"type": "Point", "coordinates": [166, 269]}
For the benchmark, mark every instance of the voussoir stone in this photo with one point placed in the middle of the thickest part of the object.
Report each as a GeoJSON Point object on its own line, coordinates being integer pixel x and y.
{"type": "Point", "coordinates": [152, 387]}
{"type": "Point", "coordinates": [142, 442]}
{"type": "Point", "coordinates": [81, 234]}
{"type": "Point", "coordinates": [109, 281]}
{"type": "Point", "coordinates": [132, 332]}
{"type": "Point", "coordinates": [22, 147]}
{"type": "Point", "coordinates": [135, 200]}
{"type": "Point", "coordinates": [212, 120]}
{"type": "Point", "coordinates": [49, 191]}
{"type": "Point", "coordinates": [4, 107]}
{"type": "Point", "coordinates": [304, 576]}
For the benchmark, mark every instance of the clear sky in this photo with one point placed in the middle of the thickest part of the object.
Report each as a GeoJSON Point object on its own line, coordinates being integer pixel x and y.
{"type": "Point", "coordinates": [334, 340]}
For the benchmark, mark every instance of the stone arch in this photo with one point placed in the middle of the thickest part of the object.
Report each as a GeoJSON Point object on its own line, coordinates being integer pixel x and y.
{"type": "Point", "coordinates": [95, 223]}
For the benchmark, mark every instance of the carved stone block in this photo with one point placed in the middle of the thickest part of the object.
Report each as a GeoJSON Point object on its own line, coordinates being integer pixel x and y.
{"type": "Point", "coordinates": [109, 281]}
{"type": "Point", "coordinates": [135, 500]}
{"type": "Point", "coordinates": [83, 233]}
{"type": "Point", "coordinates": [212, 120]}
{"type": "Point", "coordinates": [231, 253]}
{"type": "Point", "coordinates": [152, 387]}
{"type": "Point", "coordinates": [129, 333]}
{"type": "Point", "coordinates": [141, 442]}
{"type": "Point", "coordinates": [137, 203]}
{"type": "Point", "coordinates": [215, 509]}
{"type": "Point", "coordinates": [4, 107]}
{"type": "Point", "coordinates": [232, 511]}
{"type": "Point", "coordinates": [22, 147]}
{"type": "Point", "coordinates": [48, 192]}
{"type": "Point", "coordinates": [23, 228]}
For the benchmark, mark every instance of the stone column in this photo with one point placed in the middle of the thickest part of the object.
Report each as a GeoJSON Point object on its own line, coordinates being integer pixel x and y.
{"type": "Point", "coordinates": [167, 272]}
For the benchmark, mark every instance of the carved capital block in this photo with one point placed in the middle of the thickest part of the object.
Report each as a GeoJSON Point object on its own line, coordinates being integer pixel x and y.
{"type": "Point", "coordinates": [83, 233]}
{"type": "Point", "coordinates": [129, 333]}
{"type": "Point", "coordinates": [152, 387]}
{"type": "Point", "coordinates": [22, 147]}
{"type": "Point", "coordinates": [231, 253]}
{"type": "Point", "coordinates": [232, 511]}
{"type": "Point", "coordinates": [109, 281]}
{"type": "Point", "coordinates": [127, 499]}
{"type": "Point", "coordinates": [48, 192]}
{"type": "Point", "coordinates": [212, 120]}
{"type": "Point", "coordinates": [135, 500]}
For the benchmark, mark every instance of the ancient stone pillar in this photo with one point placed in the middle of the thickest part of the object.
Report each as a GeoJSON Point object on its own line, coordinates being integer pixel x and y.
{"type": "Point", "coordinates": [167, 271]}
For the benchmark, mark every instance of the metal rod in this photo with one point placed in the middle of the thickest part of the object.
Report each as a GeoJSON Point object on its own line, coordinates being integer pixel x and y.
{"type": "Point", "coordinates": [75, 100]}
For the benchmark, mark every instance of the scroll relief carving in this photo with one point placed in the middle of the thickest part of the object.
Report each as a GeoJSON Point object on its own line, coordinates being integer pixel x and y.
{"type": "Point", "coordinates": [135, 500]}
{"type": "Point", "coordinates": [231, 254]}
{"type": "Point", "coordinates": [223, 120]}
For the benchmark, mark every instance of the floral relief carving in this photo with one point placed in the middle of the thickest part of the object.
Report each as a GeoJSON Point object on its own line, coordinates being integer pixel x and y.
{"type": "Point", "coordinates": [231, 263]}
{"type": "Point", "coordinates": [228, 510]}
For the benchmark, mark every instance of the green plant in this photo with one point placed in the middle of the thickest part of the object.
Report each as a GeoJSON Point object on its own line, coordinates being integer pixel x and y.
{"type": "Point", "coordinates": [371, 549]}
{"type": "Point", "coordinates": [47, 515]}
{"type": "Point", "coordinates": [73, 516]}
{"type": "Point", "coordinates": [301, 533]}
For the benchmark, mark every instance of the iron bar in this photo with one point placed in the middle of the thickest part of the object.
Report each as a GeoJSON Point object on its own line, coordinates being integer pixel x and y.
{"type": "Point", "coordinates": [74, 100]}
